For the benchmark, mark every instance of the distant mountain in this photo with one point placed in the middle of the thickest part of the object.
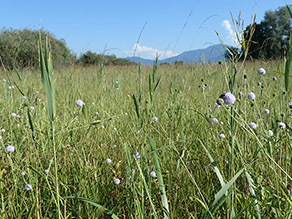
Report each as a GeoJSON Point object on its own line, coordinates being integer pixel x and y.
{"type": "Point", "coordinates": [211, 54]}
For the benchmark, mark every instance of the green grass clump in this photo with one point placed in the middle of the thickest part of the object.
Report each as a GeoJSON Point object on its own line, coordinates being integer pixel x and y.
{"type": "Point", "coordinates": [166, 114]}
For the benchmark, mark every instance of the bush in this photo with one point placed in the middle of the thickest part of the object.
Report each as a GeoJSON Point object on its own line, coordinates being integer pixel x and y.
{"type": "Point", "coordinates": [19, 48]}
{"type": "Point", "coordinates": [91, 58]}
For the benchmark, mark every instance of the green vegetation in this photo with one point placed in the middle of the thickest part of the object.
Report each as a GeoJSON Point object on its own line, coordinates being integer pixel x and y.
{"type": "Point", "coordinates": [19, 49]}
{"type": "Point", "coordinates": [169, 141]}
{"type": "Point", "coordinates": [271, 36]}
{"type": "Point", "coordinates": [91, 58]}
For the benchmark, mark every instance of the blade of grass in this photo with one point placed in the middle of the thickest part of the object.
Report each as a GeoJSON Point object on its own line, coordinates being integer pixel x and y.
{"type": "Point", "coordinates": [160, 180]}
{"type": "Point", "coordinates": [107, 211]}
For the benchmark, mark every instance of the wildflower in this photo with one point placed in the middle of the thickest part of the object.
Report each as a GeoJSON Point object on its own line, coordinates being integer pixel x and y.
{"type": "Point", "coordinates": [115, 146]}
{"type": "Point", "coordinates": [18, 125]}
{"type": "Point", "coordinates": [10, 148]}
{"type": "Point", "coordinates": [46, 171]}
{"type": "Point", "coordinates": [117, 82]}
{"type": "Point", "coordinates": [28, 187]}
{"type": "Point", "coordinates": [133, 171]}
{"type": "Point", "coordinates": [266, 111]}
{"type": "Point", "coordinates": [270, 133]}
{"type": "Point", "coordinates": [290, 105]}
{"type": "Point", "coordinates": [22, 173]}
{"type": "Point", "coordinates": [92, 103]}
{"type": "Point", "coordinates": [274, 78]}
{"type": "Point", "coordinates": [221, 123]}
{"type": "Point", "coordinates": [115, 129]}
{"type": "Point", "coordinates": [153, 174]}
{"type": "Point", "coordinates": [13, 114]}
{"type": "Point", "coordinates": [37, 92]}
{"type": "Point", "coordinates": [9, 87]}
{"type": "Point", "coordinates": [118, 117]}
{"type": "Point", "coordinates": [96, 113]}
{"type": "Point", "coordinates": [118, 88]}
{"type": "Point", "coordinates": [261, 71]}
{"type": "Point", "coordinates": [2, 130]}
{"type": "Point", "coordinates": [102, 126]}
{"type": "Point", "coordinates": [138, 132]}
{"type": "Point", "coordinates": [155, 118]}
{"type": "Point", "coordinates": [80, 103]}
{"type": "Point", "coordinates": [18, 116]}
{"type": "Point", "coordinates": [126, 114]}
{"type": "Point", "coordinates": [222, 136]}
{"type": "Point", "coordinates": [281, 125]}
{"type": "Point", "coordinates": [215, 121]}
{"type": "Point", "coordinates": [108, 160]}
{"type": "Point", "coordinates": [251, 96]}
{"type": "Point", "coordinates": [217, 105]}
{"type": "Point", "coordinates": [117, 181]}
{"type": "Point", "coordinates": [24, 97]}
{"type": "Point", "coordinates": [252, 125]}
{"type": "Point", "coordinates": [240, 93]}
{"type": "Point", "coordinates": [136, 154]}
{"type": "Point", "coordinates": [228, 99]}
{"type": "Point", "coordinates": [32, 107]}
{"type": "Point", "coordinates": [4, 80]}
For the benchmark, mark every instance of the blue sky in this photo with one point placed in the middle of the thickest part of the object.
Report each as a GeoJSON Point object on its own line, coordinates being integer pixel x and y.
{"type": "Point", "coordinates": [113, 26]}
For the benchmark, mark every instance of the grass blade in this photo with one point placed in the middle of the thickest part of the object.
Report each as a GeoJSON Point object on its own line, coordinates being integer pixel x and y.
{"type": "Point", "coordinates": [107, 211]}
{"type": "Point", "coordinates": [160, 180]}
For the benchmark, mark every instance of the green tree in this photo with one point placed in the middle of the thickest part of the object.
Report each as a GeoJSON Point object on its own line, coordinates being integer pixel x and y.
{"type": "Point", "coordinates": [271, 36]}
{"type": "Point", "coordinates": [19, 48]}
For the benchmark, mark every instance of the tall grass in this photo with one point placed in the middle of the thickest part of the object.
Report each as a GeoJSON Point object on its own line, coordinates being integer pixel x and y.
{"type": "Point", "coordinates": [195, 175]}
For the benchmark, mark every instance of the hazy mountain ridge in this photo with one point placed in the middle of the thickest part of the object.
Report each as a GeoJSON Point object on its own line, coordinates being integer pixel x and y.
{"type": "Point", "coordinates": [210, 54]}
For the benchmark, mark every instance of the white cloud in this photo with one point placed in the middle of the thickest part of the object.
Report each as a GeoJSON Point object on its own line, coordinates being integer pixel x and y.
{"type": "Point", "coordinates": [150, 53]}
{"type": "Point", "coordinates": [231, 34]}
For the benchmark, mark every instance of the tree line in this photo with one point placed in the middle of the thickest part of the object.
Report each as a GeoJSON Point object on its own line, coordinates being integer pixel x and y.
{"type": "Point", "coordinates": [268, 39]}
{"type": "Point", "coordinates": [19, 49]}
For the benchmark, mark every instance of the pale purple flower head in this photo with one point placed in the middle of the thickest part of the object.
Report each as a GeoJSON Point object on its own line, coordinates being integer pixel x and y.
{"type": "Point", "coordinates": [251, 96]}
{"type": "Point", "coordinates": [153, 174]}
{"type": "Point", "coordinates": [13, 115]}
{"type": "Point", "coordinates": [155, 118]}
{"type": "Point", "coordinates": [228, 98]}
{"type": "Point", "coordinates": [270, 133]}
{"type": "Point", "coordinates": [215, 121]}
{"type": "Point", "coordinates": [108, 160]}
{"type": "Point", "coordinates": [117, 181]}
{"type": "Point", "coordinates": [28, 187]}
{"type": "Point", "coordinates": [10, 148]}
{"type": "Point", "coordinates": [252, 125]}
{"type": "Point", "coordinates": [261, 71]}
{"type": "Point", "coordinates": [79, 103]}
{"type": "Point", "coordinates": [281, 125]}
{"type": "Point", "coordinates": [222, 136]}
{"type": "Point", "coordinates": [266, 111]}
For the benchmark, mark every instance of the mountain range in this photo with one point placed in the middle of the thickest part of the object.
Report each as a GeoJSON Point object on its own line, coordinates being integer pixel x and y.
{"type": "Point", "coordinates": [211, 54]}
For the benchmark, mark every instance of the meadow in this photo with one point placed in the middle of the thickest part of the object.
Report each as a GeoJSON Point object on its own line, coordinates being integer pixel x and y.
{"type": "Point", "coordinates": [148, 142]}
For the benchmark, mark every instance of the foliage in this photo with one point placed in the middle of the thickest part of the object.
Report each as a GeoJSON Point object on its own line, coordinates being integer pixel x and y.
{"type": "Point", "coordinates": [270, 39]}
{"type": "Point", "coordinates": [92, 58]}
{"type": "Point", "coordinates": [19, 48]}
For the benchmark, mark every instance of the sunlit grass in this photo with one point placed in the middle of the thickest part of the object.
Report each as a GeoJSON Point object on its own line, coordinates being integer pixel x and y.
{"type": "Point", "coordinates": [196, 164]}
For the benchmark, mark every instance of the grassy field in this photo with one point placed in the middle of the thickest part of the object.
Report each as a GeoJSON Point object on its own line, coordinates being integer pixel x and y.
{"type": "Point", "coordinates": [136, 121]}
